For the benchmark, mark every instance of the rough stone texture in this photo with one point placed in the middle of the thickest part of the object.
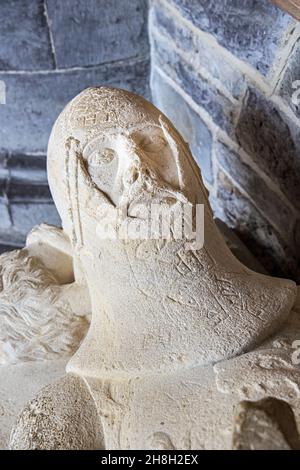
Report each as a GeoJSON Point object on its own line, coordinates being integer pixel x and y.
{"type": "Point", "coordinates": [273, 141]}
{"type": "Point", "coordinates": [44, 315]}
{"type": "Point", "coordinates": [33, 101]}
{"type": "Point", "coordinates": [252, 30]}
{"type": "Point", "coordinates": [97, 31]}
{"type": "Point", "coordinates": [25, 196]}
{"type": "Point", "coordinates": [21, 189]}
{"type": "Point", "coordinates": [27, 215]}
{"type": "Point", "coordinates": [266, 200]}
{"type": "Point", "coordinates": [24, 36]}
{"type": "Point", "coordinates": [188, 122]}
{"type": "Point", "coordinates": [62, 417]}
{"type": "Point", "coordinates": [19, 384]}
{"type": "Point", "coordinates": [204, 56]}
{"type": "Point", "coordinates": [239, 249]}
{"type": "Point", "coordinates": [4, 175]}
{"type": "Point", "coordinates": [204, 93]}
{"type": "Point", "coordinates": [254, 230]}
{"type": "Point", "coordinates": [4, 215]}
{"type": "Point", "coordinates": [5, 248]}
{"type": "Point", "coordinates": [268, 424]}
{"type": "Point", "coordinates": [290, 82]}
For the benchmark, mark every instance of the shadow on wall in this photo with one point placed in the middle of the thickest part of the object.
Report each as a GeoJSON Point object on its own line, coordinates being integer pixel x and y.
{"type": "Point", "coordinates": [270, 139]}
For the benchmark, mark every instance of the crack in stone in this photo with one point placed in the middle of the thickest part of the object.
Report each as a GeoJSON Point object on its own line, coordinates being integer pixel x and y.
{"type": "Point", "coordinates": [51, 39]}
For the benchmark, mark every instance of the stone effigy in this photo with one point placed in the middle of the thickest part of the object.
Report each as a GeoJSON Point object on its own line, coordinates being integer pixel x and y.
{"type": "Point", "coordinates": [181, 331]}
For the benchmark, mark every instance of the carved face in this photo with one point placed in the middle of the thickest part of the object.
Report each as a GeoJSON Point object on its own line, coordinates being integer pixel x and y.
{"type": "Point", "coordinates": [127, 148]}
{"type": "Point", "coordinates": [120, 162]}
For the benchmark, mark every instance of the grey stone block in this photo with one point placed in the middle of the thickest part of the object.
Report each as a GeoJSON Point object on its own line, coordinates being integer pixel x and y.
{"type": "Point", "coordinates": [200, 53]}
{"type": "Point", "coordinates": [273, 141]}
{"type": "Point", "coordinates": [252, 30]}
{"type": "Point", "coordinates": [189, 124]}
{"type": "Point", "coordinates": [24, 178]}
{"type": "Point", "coordinates": [290, 93]}
{"type": "Point", "coordinates": [25, 216]}
{"type": "Point", "coordinates": [28, 179]}
{"type": "Point", "coordinates": [268, 202]}
{"type": "Point", "coordinates": [278, 258]}
{"type": "Point", "coordinates": [5, 220]}
{"type": "Point", "coordinates": [28, 191]}
{"type": "Point", "coordinates": [20, 162]}
{"type": "Point", "coordinates": [205, 94]}
{"type": "Point", "coordinates": [24, 36]}
{"type": "Point", "coordinates": [35, 100]}
{"type": "Point", "coordinates": [97, 31]}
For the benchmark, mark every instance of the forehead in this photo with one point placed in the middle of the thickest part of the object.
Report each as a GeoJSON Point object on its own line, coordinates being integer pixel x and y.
{"type": "Point", "coordinates": [105, 109]}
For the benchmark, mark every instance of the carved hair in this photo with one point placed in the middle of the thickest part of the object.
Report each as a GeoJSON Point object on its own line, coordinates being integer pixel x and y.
{"type": "Point", "coordinates": [35, 324]}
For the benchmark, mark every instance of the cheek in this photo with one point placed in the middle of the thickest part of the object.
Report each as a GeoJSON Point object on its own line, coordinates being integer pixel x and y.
{"type": "Point", "coordinates": [103, 177]}
{"type": "Point", "coordinates": [164, 165]}
{"type": "Point", "coordinates": [102, 165]}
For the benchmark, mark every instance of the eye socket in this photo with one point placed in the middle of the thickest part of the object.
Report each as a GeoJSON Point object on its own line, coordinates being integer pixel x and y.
{"type": "Point", "coordinates": [101, 157]}
{"type": "Point", "coordinates": [153, 143]}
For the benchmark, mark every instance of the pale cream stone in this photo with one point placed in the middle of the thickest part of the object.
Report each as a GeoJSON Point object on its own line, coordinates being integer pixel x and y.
{"type": "Point", "coordinates": [70, 409]}
{"type": "Point", "coordinates": [266, 424]}
{"type": "Point", "coordinates": [164, 312]}
{"type": "Point", "coordinates": [44, 314]}
{"type": "Point", "coordinates": [19, 383]}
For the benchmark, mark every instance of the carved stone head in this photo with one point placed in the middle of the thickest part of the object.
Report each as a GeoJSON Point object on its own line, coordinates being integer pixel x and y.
{"type": "Point", "coordinates": [114, 146]}
{"type": "Point", "coordinates": [179, 306]}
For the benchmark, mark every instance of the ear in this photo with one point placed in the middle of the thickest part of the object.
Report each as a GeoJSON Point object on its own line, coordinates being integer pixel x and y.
{"type": "Point", "coordinates": [170, 137]}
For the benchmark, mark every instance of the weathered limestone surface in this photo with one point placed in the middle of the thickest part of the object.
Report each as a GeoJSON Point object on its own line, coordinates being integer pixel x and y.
{"type": "Point", "coordinates": [70, 408]}
{"type": "Point", "coordinates": [181, 331]}
{"type": "Point", "coordinates": [266, 424]}
{"type": "Point", "coordinates": [19, 384]}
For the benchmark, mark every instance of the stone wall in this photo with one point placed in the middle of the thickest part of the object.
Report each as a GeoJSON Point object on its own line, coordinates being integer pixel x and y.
{"type": "Point", "coordinates": [49, 51]}
{"type": "Point", "coordinates": [225, 72]}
